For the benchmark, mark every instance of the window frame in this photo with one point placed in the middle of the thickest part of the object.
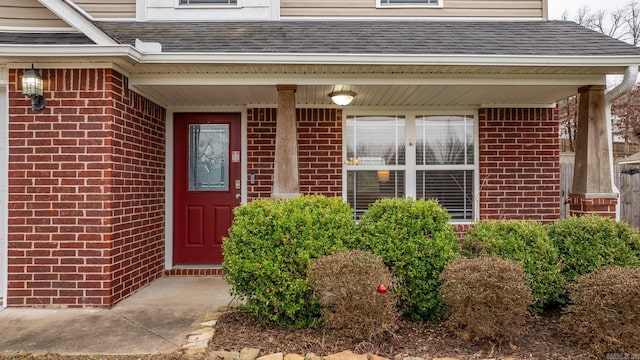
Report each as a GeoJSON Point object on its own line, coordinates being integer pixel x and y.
{"type": "Point", "coordinates": [380, 5]}
{"type": "Point", "coordinates": [180, 5]}
{"type": "Point", "coordinates": [364, 167]}
{"type": "Point", "coordinates": [411, 168]}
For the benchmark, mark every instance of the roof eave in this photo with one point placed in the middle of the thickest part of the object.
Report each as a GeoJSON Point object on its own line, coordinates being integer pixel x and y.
{"type": "Point", "coordinates": [76, 51]}
{"type": "Point", "coordinates": [13, 50]}
{"type": "Point", "coordinates": [393, 59]}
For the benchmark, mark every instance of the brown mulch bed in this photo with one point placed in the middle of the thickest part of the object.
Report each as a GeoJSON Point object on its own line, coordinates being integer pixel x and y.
{"type": "Point", "coordinates": [235, 330]}
{"type": "Point", "coordinates": [171, 356]}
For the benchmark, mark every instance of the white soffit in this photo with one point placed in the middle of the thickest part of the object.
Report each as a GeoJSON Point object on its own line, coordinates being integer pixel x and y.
{"type": "Point", "coordinates": [313, 77]}
{"type": "Point", "coordinates": [367, 95]}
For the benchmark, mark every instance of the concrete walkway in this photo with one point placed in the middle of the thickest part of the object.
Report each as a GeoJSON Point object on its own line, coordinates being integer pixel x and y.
{"type": "Point", "coordinates": [156, 319]}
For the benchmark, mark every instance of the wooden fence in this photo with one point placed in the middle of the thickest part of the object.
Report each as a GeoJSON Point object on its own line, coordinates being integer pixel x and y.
{"type": "Point", "coordinates": [627, 179]}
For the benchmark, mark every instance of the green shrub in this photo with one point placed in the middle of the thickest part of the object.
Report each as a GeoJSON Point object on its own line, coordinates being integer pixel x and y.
{"type": "Point", "coordinates": [270, 247]}
{"type": "Point", "coordinates": [589, 242]}
{"type": "Point", "coordinates": [604, 314]}
{"type": "Point", "coordinates": [526, 242]}
{"type": "Point", "coordinates": [345, 285]}
{"type": "Point", "coordinates": [415, 239]}
{"type": "Point", "coordinates": [488, 298]}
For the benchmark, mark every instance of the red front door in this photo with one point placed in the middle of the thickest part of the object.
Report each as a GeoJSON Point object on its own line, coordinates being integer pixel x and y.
{"type": "Point", "coordinates": [206, 185]}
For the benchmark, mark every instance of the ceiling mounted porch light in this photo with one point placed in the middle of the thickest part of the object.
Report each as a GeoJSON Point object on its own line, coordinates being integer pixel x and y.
{"type": "Point", "coordinates": [342, 98]}
{"type": "Point", "coordinates": [33, 86]}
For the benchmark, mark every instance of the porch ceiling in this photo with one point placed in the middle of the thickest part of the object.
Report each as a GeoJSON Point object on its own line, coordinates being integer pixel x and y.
{"type": "Point", "coordinates": [186, 85]}
{"type": "Point", "coordinates": [367, 95]}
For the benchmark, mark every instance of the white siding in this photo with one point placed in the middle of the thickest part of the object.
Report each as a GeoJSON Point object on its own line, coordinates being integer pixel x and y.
{"type": "Point", "coordinates": [450, 9]}
{"type": "Point", "coordinates": [113, 9]}
{"type": "Point", "coordinates": [30, 13]}
{"type": "Point", "coordinates": [27, 13]}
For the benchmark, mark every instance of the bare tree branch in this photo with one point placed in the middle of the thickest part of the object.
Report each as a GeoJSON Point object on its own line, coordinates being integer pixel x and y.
{"type": "Point", "coordinates": [608, 23]}
{"type": "Point", "coordinates": [584, 17]}
{"type": "Point", "coordinates": [622, 24]}
{"type": "Point", "coordinates": [632, 22]}
{"type": "Point", "coordinates": [616, 28]}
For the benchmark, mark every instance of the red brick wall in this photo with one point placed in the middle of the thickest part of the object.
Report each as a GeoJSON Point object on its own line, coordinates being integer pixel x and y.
{"type": "Point", "coordinates": [518, 149]}
{"type": "Point", "coordinates": [86, 181]}
{"type": "Point", "coordinates": [137, 189]}
{"type": "Point", "coordinates": [319, 151]}
{"type": "Point", "coordinates": [519, 164]}
{"type": "Point", "coordinates": [588, 206]}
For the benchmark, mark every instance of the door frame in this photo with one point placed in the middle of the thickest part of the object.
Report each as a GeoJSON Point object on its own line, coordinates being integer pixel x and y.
{"type": "Point", "coordinates": [4, 187]}
{"type": "Point", "coordinates": [169, 171]}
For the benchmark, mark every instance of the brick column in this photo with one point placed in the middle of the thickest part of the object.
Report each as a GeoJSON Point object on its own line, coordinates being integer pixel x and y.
{"type": "Point", "coordinates": [286, 182]}
{"type": "Point", "coordinates": [592, 190]}
{"type": "Point", "coordinates": [601, 206]}
{"type": "Point", "coordinates": [86, 191]}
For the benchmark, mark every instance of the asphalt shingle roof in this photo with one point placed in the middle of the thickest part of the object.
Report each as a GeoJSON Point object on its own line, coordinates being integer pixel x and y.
{"type": "Point", "coordinates": [562, 38]}
{"type": "Point", "coordinates": [44, 38]}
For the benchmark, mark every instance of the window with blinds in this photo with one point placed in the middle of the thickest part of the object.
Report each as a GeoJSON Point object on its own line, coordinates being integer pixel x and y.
{"type": "Point", "coordinates": [445, 162]}
{"type": "Point", "coordinates": [392, 3]}
{"type": "Point", "coordinates": [376, 158]}
{"type": "Point", "coordinates": [441, 164]}
{"type": "Point", "coordinates": [208, 2]}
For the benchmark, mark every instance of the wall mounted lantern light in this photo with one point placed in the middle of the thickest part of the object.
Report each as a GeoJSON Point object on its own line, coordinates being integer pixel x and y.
{"type": "Point", "coordinates": [33, 86]}
{"type": "Point", "coordinates": [342, 98]}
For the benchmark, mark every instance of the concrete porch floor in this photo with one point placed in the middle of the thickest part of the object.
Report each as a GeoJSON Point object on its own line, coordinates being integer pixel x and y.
{"type": "Point", "coordinates": [156, 319]}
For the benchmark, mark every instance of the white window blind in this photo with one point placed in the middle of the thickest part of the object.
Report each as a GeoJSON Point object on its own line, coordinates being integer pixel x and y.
{"type": "Point", "coordinates": [376, 157]}
{"type": "Point", "coordinates": [208, 2]}
{"type": "Point", "coordinates": [442, 167]}
{"type": "Point", "coordinates": [409, 2]}
{"type": "Point", "coordinates": [445, 162]}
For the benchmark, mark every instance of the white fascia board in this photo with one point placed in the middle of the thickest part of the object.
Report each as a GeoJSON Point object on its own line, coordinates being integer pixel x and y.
{"type": "Point", "coordinates": [69, 51]}
{"type": "Point", "coordinates": [367, 79]}
{"type": "Point", "coordinates": [78, 21]}
{"type": "Point", "coordinates": [621, 62]}
{"type": "Point", "coordinates": [389, 59]}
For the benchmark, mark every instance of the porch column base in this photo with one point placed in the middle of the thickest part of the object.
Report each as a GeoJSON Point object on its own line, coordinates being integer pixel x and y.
{"type": "Point", "coordinates": [593, 204]}
{"type": "Point", "coordinates": [285, 196]}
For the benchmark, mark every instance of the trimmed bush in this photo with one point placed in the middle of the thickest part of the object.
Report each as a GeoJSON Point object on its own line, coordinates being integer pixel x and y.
{"type": "Point", "coordinates": [270, 247]}
{"type": "Point", "coordinates": [415, 239]}
{"type": "Point", "coordinates": [526, 242]}
{"type": "Point", "coordinates": [589, 242]}
{"type": "Point", "coordinates": [488, 298]}
{"type": "Point", "coordinates": [604, 314]}
{"type": "Point", "coordinates": [345, 285]}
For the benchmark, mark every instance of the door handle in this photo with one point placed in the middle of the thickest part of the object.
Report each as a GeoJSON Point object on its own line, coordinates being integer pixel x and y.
{"type": "Point", "coordinates": [238, 196]}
